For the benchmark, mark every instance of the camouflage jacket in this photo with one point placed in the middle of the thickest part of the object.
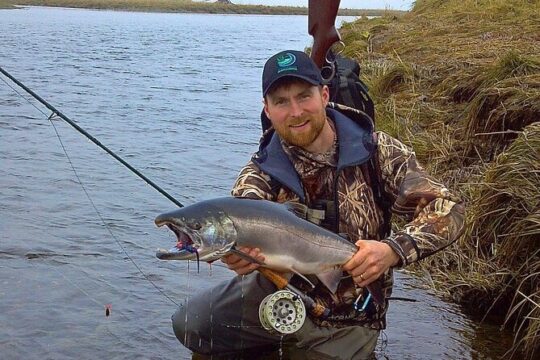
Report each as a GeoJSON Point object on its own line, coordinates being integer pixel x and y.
{"type": "Point", "coordinates": [434, 216]}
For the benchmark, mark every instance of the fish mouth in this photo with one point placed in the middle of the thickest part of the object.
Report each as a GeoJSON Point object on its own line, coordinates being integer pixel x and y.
{"type": "Point", "coordinates": [184, 249]}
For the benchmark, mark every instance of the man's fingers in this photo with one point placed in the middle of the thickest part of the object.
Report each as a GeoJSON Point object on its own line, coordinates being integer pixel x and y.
{"type": "Point", "coordinates": [364, 279]}
{"type": "Point", "coordinates": [357, 259]}
{"type": "Point", "coordinates": [239, 264]}
{"type": "Point", "coordinates": [231, 259]}
{"type": "Point", "coordinates": [246, 269]}
{"type": "Point", "coordinates": [255, 253]}
{"type": "Point", "coordinates": [369, 262]}
{"type": "Point", "coordinates": [359, 271]}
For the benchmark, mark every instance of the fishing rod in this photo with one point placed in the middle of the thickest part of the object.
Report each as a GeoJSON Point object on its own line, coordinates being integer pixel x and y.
{"type": "Point", "coordinates": [273, 276]}
{"type": "Point", "coordinates": [95, 141]}
{"type": "Point", "coordinates": [89, 137]}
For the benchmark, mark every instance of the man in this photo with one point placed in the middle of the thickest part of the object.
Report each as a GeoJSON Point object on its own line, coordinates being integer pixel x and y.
{"type": "Point", "coordinates": [317, 155]}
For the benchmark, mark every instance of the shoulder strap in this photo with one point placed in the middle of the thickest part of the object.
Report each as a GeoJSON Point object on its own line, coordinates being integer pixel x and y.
{"type": "Point", "coordinates": [344, 88]}
{"type": "Point", "coordinates": [373, 175]}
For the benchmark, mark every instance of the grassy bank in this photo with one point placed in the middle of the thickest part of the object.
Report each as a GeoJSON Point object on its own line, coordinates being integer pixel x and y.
{"type": "Point", "coordinates": [459, 80]}
{"type": "Point", "coordinates": [6, 4]}
{"type": "Point", "coordinates": [188, 6]}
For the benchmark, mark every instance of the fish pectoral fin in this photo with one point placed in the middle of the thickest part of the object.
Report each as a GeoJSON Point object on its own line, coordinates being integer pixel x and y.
{"type": "Point", "coordinates": [331, 279]}
{"type": "Point", "coordinates": [303, 277]}
{"type": "Point", "coordinates": [245, 256]}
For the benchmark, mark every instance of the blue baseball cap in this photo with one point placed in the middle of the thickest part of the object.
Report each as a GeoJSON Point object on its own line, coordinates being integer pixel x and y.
{"type": "Point", "coordinates": [290, 63]}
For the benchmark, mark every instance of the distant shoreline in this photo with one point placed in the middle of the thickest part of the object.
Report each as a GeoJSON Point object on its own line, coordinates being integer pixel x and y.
{"type": "Point", "coordinates": [172, 6]}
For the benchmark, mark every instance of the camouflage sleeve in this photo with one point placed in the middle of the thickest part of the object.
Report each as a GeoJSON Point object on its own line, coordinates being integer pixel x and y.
{"type": "Point", "coordinates": [252, 183]}
{"type": "Point", "coordinates": [436, 217]}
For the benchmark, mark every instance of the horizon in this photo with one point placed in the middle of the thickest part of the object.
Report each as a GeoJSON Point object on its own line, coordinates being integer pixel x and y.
{"type": "Point", "coordinates": [344, 4]}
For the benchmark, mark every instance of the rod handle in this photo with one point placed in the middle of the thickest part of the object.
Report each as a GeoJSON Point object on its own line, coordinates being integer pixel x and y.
{"type": "Point", "coordinates": [275, 277]}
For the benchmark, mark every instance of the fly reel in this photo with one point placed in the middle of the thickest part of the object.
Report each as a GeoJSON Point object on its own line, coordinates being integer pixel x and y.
{"type": "Point", "coordinates": [282, 312]}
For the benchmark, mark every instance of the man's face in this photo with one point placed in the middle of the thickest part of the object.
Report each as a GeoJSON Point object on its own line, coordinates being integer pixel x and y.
{"type": "Point", "coordinates": [297, 111]}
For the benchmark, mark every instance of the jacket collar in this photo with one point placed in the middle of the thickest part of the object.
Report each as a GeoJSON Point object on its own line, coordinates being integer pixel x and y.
{"type": "Point", "coordinates": [355, 142]}
{"type": "Point", "coordinates": [355, 135]}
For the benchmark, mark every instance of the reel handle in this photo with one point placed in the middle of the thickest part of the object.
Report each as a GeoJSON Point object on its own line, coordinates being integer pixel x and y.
{"type": "Point", "coordinates": [281, 282]}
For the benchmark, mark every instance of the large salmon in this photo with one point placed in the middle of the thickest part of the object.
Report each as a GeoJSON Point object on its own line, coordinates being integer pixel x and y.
{"type": "Point", "coordinates": [210, 229]}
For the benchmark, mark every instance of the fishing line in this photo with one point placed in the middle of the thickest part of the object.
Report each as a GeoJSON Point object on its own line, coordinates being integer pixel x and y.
{"type": "Point", "coordinates": [101, 217]}
{"type": "Point", "coordinates": [59, 114]}
{"type": "Point", "coordinates": [21, 95]}
{"type": "Point", "coordinates": [90, 297]}
{"type": "Point", "coordinates": [87, 135]}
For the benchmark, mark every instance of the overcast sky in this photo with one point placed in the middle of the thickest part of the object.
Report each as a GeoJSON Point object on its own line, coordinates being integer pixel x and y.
{"type": "Point", "coordinates": [351, 4]}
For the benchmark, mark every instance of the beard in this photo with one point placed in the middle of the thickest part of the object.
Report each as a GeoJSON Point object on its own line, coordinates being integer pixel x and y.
{"type": "Point", "coordinates": [315, 124]}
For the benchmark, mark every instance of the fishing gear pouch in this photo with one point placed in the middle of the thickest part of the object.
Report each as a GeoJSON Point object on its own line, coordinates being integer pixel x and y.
{"type": "Point", "coordinates": [346, 87]}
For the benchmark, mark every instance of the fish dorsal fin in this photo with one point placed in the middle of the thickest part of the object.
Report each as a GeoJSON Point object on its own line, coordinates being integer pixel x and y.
{"type": "Point", "coordinates": [297, 209]}
{"type": "Point", "coordinates": [331, 279]}
{"type": "Point", "coordinates": [245, 256]}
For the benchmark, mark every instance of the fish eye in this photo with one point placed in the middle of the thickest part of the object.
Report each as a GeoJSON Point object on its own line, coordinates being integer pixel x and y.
{"type": "Point", "coordinates": [196, 226]}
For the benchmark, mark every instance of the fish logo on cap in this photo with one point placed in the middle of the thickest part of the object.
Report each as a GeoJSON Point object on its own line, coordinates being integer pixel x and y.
{"type": "Point", "coordinates": [285, 62]}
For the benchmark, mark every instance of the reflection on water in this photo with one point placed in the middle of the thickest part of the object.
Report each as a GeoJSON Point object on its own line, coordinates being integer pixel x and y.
{"type": "Point", "coordinates": [178, 96]}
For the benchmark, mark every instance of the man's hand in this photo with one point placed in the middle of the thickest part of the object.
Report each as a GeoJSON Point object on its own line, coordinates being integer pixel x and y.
{"type": "Point", "coordinates": [371, 260]}
{"type": "Point", "coordinates": [242, 266]}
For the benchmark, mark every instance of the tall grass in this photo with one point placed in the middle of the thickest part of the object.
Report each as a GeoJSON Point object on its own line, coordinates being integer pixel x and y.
{"type": "Point", "coordinates": [460, 82]}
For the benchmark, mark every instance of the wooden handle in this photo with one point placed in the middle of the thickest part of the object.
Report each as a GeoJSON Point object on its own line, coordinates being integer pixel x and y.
{"type": "Point", "coordinates": [275, 277]}
{"type": "Point", "coordinates": [321, 25]}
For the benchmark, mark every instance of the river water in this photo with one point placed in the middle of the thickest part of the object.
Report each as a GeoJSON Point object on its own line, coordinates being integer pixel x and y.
{"type": "Point", "coordinates": [178, 97]}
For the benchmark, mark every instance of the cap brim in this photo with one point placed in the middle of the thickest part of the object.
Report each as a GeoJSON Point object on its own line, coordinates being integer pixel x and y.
{"type": "Point", "coordinates": [298, 76]}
